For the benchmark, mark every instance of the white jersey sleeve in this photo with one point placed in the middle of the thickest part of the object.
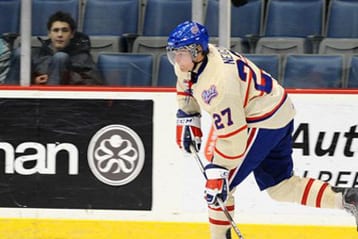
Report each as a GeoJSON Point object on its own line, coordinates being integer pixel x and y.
{"type": "Point", "coordinates": [237, 95]}
{"type": "Point", "coordinates": [185, 99]}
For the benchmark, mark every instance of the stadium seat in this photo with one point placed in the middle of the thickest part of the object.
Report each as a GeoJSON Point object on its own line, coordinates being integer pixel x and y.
{"type": "Point", "coordinates": [341, 35]}
{"type": "Point", "coordinates": [109, 23]}
{"type": "Point", "coordinates": [292, 18]}
{"type": "Point", "coordinates": [240, 26]}
{"type": "Point", "coordinates": [235, 43]}
{"type": "Point", "coordinates": [342, 19]}
{"type": "Point", "coordinates": [110, 17]}
{"type": "Point", "coordinates": [162, 16]}
{"type": "Point", "coordinates": [43, 9]}
{"type": "Point", "coordinates": [155, 44]}
{"type": "Point", "coordinates": [101, 44]}
{"type": "Point", "coordinates": [9, 16]}
{"type": "Point", "coordinates": [294, 25]}
{"type": "Point", "coordinates": [126, 69]}
{"type": "Point", "coordinates": [269, 63]}
{"type": "Point", "coordinates": [339, 46]}
{"type": "Point", "coordinates": [282, 45]}
{"type": "Point", "coordinates": [353, 73]}
{"type": "Point", "coordinates": [313, 71]}
{"type": "Point", "coordinates": [247, 31]}
{"type": "Point", "coordinates": [165, 72]}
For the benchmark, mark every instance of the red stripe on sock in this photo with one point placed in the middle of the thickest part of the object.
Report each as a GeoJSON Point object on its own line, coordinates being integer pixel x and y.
{"type": "Point", "coordinates": [219, 222]}
{"type": "Point", "coordinates": [229, 208]}
{"type": "Point", "coordinates": [307, 191]}
{"type": "Point", "coordinates": [320, 194]}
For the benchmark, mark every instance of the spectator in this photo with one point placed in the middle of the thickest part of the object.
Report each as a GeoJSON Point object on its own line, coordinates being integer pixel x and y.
{"type": "Point", "coordinates": [63, 59]}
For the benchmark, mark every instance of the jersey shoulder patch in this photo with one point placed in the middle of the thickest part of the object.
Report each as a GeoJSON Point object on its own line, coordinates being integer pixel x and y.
{"type": "Point", "coordinates": [208, 94]}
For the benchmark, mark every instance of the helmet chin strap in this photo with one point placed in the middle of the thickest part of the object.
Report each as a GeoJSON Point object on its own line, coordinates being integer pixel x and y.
{"type": "Point", "coordinates": [194, 66]}
{"type": "Point", "coordinates": [197, 62]}
{"type": "Point", "coordinates": [195, 75]}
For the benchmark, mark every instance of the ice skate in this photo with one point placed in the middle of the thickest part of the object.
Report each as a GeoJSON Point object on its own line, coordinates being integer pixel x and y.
{"type": "Point", "coordinates": [228, 234]}
{"type": "Point", "coordinates": [350, 202]}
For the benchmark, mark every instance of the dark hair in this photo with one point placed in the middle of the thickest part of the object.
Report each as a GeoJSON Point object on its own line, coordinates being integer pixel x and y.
{"type": "Point", "coordinates": [61, 17]}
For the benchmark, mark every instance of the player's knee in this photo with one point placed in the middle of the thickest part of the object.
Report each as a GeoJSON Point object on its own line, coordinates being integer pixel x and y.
{"type": "Point", "coordinates": [273, 193]}
{"type": "Point", "coordinates": [280, 191]}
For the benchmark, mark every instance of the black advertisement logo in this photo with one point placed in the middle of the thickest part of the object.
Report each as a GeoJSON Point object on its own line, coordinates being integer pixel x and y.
{"type": "Point", "coordinates": [116, 155]}
{"type": "Point", "coordinates": [76, 153]}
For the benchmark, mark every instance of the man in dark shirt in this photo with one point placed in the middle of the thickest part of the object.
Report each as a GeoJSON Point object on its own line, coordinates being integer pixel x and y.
{"type": "Point", "coordinates": [63, 59]}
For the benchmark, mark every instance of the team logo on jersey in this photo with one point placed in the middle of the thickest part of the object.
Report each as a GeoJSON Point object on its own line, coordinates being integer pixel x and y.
{"type": "Point", "coordinates": [116, 155]}
{"type": "Point", "coordinates": [209, 94]}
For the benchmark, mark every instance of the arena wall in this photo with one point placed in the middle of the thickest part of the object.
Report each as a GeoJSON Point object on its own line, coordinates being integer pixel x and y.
{"type": "Point", "coordinates": [52, 139]}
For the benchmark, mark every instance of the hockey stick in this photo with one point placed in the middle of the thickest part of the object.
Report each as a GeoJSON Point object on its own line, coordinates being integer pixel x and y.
{"type": "Point", "coordinates": [221, 203]}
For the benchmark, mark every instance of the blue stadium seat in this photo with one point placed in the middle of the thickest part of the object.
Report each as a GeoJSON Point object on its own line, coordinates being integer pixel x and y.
{"type": "Point", "coordinates": [290, 25]}
{"type": "Point", "coordinates": [269, 63]}
{"type": "Point", "coordinates": [292, 18]}
{"type": "Point", "coordinates": [9, 16]}
{"type": "Point", "coordinates": [126, 69]}
{"type": "Point", "coordinates": [313, 71]}
{"type": "Point", "coordinates": [42, 9]}
{"type": "Point", "coordinates": [353, 73]}
{"type": "Point", "coordinates": [165, 72]}
{"type": "Point", "coordinates": [107, 22]}
{"type": "Point", "coordinates": [240, 25]}
{"type": "Point", "coordinates": [342, 19]}
{"type": "Point", "coordinates": [110, 17]}
{"type": "Point", "coordinates": [162, 16]}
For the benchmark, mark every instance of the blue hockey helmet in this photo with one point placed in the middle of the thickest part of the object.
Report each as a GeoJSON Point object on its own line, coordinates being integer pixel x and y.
{"type": "Point", "coordinates": [188, 33]}
{"type": "Point", "coordinates": [187, 36]}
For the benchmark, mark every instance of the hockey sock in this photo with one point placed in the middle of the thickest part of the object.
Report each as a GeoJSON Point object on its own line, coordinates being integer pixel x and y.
{"type": "Point", "coordinates": [219, 223]}
{"type": "Point", "coordinates": [306, 191]}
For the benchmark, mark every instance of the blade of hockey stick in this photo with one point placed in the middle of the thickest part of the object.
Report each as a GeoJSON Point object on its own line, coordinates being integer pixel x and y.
{"type": "Point", "coordinates": [221, 203]}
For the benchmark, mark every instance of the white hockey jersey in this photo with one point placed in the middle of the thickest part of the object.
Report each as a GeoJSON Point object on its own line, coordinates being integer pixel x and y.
{"type": "Point", "coordinates": [238, 95]}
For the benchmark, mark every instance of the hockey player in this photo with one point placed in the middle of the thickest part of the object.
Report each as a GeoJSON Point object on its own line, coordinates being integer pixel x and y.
{"type": "Point", "coordinates": [253, 117]}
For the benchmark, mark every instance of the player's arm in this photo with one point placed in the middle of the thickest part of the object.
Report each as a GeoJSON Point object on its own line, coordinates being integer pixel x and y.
{"type": "Point", "coordinates": [186, 101]}
{"type": "Point", "coordinates": [188, 130]}
{"type": "Point", "coordinates": [229, 122]}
